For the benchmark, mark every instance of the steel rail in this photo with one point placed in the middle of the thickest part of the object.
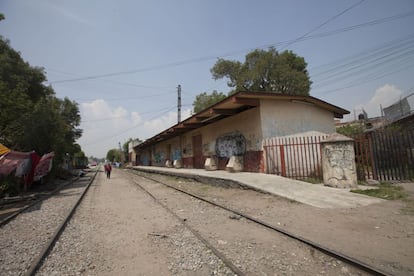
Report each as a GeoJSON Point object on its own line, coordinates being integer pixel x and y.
{"type": "Point", "coordinates": [24, 208]}
{"type": "Point", "coordinates": [216, 252]}
{"type": "Point", "coordinates": [333, 253]}
{"type": "Point", "coordinates": [46, 249]}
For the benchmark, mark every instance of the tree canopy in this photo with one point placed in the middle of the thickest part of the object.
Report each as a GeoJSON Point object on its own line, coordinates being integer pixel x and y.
{"type": "Point", "coordinates": [269, 71]}
{"type": "Point", "coordinates": [205, 100]}
{"type": "Point", "coordinates": [114, 155]}
{"type": "Point", "coordinates": [31, 116]}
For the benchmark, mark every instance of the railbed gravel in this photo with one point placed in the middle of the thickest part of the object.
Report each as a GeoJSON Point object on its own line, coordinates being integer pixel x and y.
{"type": "Point", "coordinates": [72, 254]}
{"type": "Point", "coordinates": [23, 238]}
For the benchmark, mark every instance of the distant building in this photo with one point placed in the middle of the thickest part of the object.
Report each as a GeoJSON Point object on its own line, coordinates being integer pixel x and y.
{"type": "Point", "coordinates": [132, 156]}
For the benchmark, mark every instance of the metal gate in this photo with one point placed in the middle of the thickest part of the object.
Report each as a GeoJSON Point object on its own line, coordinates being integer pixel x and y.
{"type": "Point", "coordinates": [386, 154]}
{"type": "Point", "coordinates": [294, 157]}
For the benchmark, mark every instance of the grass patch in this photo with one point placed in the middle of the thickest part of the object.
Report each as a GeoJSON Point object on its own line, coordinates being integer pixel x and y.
{"type": "Point", "coordinates": [312, 180]}
{"type": "Point", "coordinates": [384, 191]}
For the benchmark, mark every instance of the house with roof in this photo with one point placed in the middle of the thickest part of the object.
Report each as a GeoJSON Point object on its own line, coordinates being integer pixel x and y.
{"type": "Point", "coordinates": [237, 126]}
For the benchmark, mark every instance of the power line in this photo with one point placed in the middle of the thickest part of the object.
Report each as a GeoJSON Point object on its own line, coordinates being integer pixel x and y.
{"type": "Point", "coordinates": [126, 98]}
{"type": "Point", "coordinates": [128, 129]}
{"type": "Point", "coordinates": [304, 37]}
{"type": "Point", "coordinates": [373, 60]}
{"type": "Point", "coordinates": [324, 23]}
{"type": "Point", "coordinates": [110, 81]}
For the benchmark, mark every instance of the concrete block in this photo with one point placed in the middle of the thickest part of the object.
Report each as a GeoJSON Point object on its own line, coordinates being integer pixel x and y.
{"type": "Point", "coordinates": [177, 164]}
{"type": "Point", "coordinates": [168, 164]}
{"type": "Point", "coordinates": [338, 162]}
{"type": "Point", "coordinates": [235, 164]}
{"type": "Point", "coordinates": [210, 164]}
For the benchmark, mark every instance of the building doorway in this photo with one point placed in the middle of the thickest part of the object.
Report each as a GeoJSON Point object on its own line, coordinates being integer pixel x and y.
{"type": "Point", "coordinates": [198, 152]}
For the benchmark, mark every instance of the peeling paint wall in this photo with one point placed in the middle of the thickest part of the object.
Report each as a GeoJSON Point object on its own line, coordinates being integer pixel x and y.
{"type": "Point", "coordinates": [244, 124]}
{"type": "Point", "coordinates": [338, 161]}
{"type": "Point", "coordinates": [282, 118]}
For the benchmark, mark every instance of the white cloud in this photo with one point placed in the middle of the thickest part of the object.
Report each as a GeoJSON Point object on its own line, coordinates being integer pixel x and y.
{"type": "Point", "coordinates": [384, 96]}
{"type": "Point", "coordinates": [105, 126]}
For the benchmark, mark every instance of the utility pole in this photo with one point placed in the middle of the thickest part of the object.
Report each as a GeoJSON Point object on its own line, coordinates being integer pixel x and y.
{"type": "Point", "coordinates": [179, 103]}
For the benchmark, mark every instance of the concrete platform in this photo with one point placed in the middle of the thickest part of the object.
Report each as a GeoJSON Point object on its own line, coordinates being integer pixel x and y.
{"type": "Point", "coordinates": [315, 195]}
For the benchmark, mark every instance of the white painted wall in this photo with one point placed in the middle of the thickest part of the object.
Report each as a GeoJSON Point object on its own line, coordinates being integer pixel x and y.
{"type": "Point", "coordinates": [282, 118]}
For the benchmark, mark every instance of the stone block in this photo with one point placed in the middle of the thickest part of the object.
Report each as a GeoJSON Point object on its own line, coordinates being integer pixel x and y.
{"type": "Point", "coordinates": [210, 164]}
{"type": "Point", "coordinates": [177, 164]}
{"type": "Point", "coordinates": [338, 162]}
{"type": "Point", "coordinates": [235, 164]}
{"type": "Point", "coordinates": [168, 164]}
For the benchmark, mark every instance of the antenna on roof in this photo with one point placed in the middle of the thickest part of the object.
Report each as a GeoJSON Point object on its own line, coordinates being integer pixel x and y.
{"type": "Point", "coordinates": [179, 103]}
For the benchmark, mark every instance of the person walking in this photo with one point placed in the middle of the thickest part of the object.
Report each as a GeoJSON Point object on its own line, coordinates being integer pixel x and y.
{"type": "Point", "coordinates": [108, 169]}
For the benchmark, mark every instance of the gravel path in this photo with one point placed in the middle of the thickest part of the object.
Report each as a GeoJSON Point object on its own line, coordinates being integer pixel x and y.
{"type": "Point", "coordinates": [252, 248]}
{"type": "Point", "coordinates": [120, 230]}
{"type": "Point", "coordinates": [23, 239]}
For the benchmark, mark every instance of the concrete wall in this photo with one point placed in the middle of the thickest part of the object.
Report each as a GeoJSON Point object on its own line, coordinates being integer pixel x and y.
{"type": "Point", "coordinates": [282, 118]}
{"type": "Point", "coordinates": [236, 135]}
{"type": "Point", "coordinates": [132, 155]}
{"type": "Point", "coordinates": [158, 154]}
{"type": "Point", "coordinates": [242, 134]}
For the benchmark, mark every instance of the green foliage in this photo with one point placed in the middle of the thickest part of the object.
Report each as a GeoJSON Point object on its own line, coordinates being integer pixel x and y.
{"type": "Point", "coordinates": [385, 191]}
{"type": "Point", "coordinates": [268, 71]}
{"type": "Point", "coordinates": [350, 130]}
{"type": "Point", "coordinates": [9, 185]}
{"type": "Point", "coordinates": [205, 100]}
{"type": "Point", "coordinates": [114, 155]}
{"type": "Point", "coordinates": [31, 117]}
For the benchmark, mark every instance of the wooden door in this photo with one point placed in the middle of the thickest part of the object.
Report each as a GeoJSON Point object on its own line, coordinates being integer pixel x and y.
{"type": "Point", "coordinates": [198, 152]}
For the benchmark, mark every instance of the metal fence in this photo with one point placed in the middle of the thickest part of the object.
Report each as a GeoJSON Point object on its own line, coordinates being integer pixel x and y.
{"type": "Point", "coordinates": [386, 154]}
{"type": "Point", "coordinates": [294, 157]}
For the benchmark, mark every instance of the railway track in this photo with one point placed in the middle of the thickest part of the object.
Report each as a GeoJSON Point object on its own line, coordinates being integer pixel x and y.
{"type": "Point", "coordinates": [12, 208]}
{"type": "Point", "coordinates": [235, 267]}
{"type": "Point", "coordinates": [360, 265]}
{"type": "Point", "coordinates": [40, 239]}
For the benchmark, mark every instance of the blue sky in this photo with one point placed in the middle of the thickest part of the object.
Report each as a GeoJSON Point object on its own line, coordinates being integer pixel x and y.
{"type": "Point", "coordinates": [122, 60]}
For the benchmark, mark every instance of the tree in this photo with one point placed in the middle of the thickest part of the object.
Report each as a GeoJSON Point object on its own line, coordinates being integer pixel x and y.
{"type": "Point", "coordinates": [268, 71]}
{"type": "Point", "coordinates": [114, 155]}
{"type": "Point", "coordinates": [31, 116]}
{"type": "Point", "coordinates": [205, 100]}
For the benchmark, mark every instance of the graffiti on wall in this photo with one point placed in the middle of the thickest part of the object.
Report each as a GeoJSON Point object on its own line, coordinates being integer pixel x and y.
{"type": "Point", "coordinates": [159, 157]}
{"type": "Point", "coordinates": [176, 154]}
{"type": "Point", "coordinates": [230, 145]}
{"type": "Point", "coordinates": [144, 160]}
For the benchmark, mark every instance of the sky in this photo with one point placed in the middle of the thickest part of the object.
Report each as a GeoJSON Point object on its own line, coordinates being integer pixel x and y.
{"type": "Point", "coordinates": [122, 61]}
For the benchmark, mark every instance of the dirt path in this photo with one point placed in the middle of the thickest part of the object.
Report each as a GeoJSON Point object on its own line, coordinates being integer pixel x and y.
{"type": "Point", "coordinates": [380, 234]}
{"type": "Point", "coordinates": [120, 230]}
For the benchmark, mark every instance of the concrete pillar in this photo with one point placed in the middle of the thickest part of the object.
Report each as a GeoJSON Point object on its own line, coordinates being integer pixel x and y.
{"type": "Point", "coordinates": [210, 164]}
{"type": "Point", "coordinates": [235, 164]}
{"type": "Point", "coordinates": [338, 162]}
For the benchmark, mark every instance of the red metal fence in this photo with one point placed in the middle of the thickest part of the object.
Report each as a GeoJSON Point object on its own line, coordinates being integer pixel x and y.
{"type": "Point", "coordinates": [294, 157]}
